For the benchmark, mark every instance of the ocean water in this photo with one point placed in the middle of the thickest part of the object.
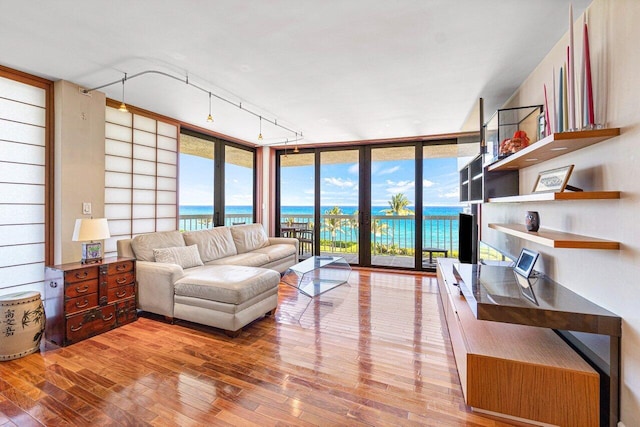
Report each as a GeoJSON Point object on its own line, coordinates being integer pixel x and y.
{"type": "Point", "coordinates": [441, 233]}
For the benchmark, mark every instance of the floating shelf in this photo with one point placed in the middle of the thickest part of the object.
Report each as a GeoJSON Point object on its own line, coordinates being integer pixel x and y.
{"type": "Point", "coordinates": [555, 239]}
{"type": "Point", "coordinates": [552, 146]}
{"type": "Point", "coordinates": [544, 197]}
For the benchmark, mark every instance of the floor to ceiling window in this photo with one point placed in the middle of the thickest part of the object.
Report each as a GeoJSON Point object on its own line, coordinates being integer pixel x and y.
{"type": "Point", "coordinates": [339, 210]}
{"type": "Point", "coordinates": [387, 206]}
{"type": "Point", "coordinates": [239, 186]}
{"type": "Point", "coordinates": [217, 182]}
{"type": "Point", "coordinates": [393, 206]}
{"type": "Point", "coordinates": [297, 199]}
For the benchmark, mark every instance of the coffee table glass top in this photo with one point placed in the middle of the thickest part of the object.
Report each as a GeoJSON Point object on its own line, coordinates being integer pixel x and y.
{"type": "Point", "coordinates": [317, 274]}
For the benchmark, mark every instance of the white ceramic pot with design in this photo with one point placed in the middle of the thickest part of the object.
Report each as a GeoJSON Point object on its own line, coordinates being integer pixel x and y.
{"type": "Point", "coordinates": [22, 322]}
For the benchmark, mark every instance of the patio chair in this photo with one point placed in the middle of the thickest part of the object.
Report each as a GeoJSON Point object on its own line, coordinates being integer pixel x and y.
{"type": "Point", "coordinates": [304, 235]}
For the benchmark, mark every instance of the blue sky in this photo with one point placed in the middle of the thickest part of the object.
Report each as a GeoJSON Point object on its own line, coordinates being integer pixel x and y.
{"type": "Point", "coordinates": [339, 183]}
{"type": "Point", "coordinates": [196, 182]}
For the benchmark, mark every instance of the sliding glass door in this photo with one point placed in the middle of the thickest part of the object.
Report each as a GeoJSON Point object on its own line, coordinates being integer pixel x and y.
{"type": "Point", "coordinates": [297, 199]}
{"type": "Point", "coordinates": [339, 211]}
{"type": "Point", "coordinates": [393, 207]}
{"type": "Point", "coordinates": [386, 206]}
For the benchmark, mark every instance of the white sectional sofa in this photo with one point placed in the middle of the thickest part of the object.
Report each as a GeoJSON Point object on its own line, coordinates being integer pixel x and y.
{"type": "Point", "coordinates": [225, 277]}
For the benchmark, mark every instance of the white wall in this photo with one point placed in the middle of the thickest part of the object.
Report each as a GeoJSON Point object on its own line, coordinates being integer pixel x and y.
{"type": "Point", "coordinates": [609, 278]}
{"type": "Point", "coordinates": [79, 163]}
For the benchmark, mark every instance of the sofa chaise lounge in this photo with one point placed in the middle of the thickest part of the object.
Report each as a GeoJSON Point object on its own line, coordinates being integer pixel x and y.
{"type": "Point", "coordinates": [225, 277]}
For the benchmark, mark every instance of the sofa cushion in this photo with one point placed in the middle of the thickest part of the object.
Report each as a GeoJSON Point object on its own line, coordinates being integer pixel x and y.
{"type": "Point", "coordinates": [276, 252]}
{"type": "Point", "coordinates": [212, 244]}
{"type": "Point", "coordinates": [144, 244]}
{"type": "Point", "coordinates": [250, 259]}
{"type": "Point", "coordinates": [184, 256]}
{"type": "Point", "coordinates": [231, 284]}
{"type": "Point", "coordinates": [249, 237]}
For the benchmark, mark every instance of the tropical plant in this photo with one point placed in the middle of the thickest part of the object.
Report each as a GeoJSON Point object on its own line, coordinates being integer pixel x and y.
{"type": "Point", "coordinates": [378, 229]}
{"type": "Point", "coordinates": [332, 224]}
{"type": "Point", "coordinates": [398, 205]}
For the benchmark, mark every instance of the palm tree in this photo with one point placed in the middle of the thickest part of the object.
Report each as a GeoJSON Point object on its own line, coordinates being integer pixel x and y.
{"type": "Point", "coordinates": [398, 205]}
{"type": "Point", "coordinates": [378, 229]}
{"type": "Point", "coordinates": [332, 224]}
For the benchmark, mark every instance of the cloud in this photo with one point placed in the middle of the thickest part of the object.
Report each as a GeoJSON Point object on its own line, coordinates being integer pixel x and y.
{"type": "Point", "coordinates": [400, 187]}
{"type": "Point", "coordinates": [389, 171]}
{"type": "Point", "coordinates": [354, 169]}
{"type": "Point", "coordinates": [426, 183]}
{"type": "Point", "coordinates": [339, 182]}
{"type": "Point", "coordinates": [452, 194]}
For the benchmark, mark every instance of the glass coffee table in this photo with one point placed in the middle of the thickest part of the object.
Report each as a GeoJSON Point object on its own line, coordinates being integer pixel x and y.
{"type": "Point", "coordinates": [317, 274]}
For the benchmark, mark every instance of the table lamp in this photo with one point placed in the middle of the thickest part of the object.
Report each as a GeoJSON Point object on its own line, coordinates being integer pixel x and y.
{"type": "Point", "coordinates": [88, 230]}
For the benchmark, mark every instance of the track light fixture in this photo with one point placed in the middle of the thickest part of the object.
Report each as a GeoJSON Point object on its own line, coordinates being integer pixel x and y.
{"type": "Point", "coordinates": [209, 118]}
{"type": "Point", "coordinates": [295, 148]}
{"type": "Point", "coordinates": [123, 106]}
{"type": "Point", "coordinates": [239, 105]}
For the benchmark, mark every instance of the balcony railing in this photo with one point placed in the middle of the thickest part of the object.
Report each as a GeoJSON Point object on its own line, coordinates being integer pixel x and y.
{"type": "Point", "coordinates": [391, 235]}
{"type": "Point", "coordinates": [202, 222]}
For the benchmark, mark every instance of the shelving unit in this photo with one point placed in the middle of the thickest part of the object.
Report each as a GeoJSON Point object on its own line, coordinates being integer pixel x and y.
{"type": "Point", "coordinates": [545, 197]}
{"type": "Point", "coordinates": [555, 239]}
{"type": "Point", "coordinates": [552, 146]}
{"type": "Point", "coordinates": [476, 185]}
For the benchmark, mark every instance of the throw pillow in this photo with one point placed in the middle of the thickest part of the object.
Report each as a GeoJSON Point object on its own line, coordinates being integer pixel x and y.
{"type": "Point", "coordinates": [184, 256]}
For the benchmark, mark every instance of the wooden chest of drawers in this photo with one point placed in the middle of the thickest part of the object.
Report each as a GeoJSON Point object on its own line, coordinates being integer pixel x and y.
{"type": "Point", "coordinates": [83, 300]}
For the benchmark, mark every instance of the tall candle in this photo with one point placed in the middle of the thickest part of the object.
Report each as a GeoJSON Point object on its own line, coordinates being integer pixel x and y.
{"type": "Point", "coordinates": [583, 86]}
{"type": "Point", "coordinates": [588, 77]}
{"type": "Point", "coordinates": [571, 75]}
{"type": "Point", "coordinates": [555, 105]}
{"type": "Point", "coordinates": [547, 124]}
{"type": "Point", "coordinates": [560, 103]}
{"type": "Point", "coordinates": [565, 101]}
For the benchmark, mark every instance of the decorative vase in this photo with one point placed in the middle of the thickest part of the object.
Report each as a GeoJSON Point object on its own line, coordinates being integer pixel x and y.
{"type": "Point", "coordinates": [532, 220]}
{"type": "Point", "coordinates": [22, 323]}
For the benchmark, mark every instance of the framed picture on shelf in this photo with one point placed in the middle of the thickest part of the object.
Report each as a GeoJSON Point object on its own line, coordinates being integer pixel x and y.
{"type": "Point", "coordinates": [554, 180]}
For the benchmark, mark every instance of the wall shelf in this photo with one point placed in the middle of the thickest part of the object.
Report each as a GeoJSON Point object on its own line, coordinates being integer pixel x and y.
{"type": "Point", "coordinates": [555, 239]}
{"type": "Point", "coordinates": [552, 146]}
{"type": "Point", "coordinates": [545, 197]}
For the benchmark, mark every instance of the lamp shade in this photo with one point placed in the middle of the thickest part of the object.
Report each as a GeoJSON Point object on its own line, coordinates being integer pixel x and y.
{"type": "Point", "coordinates": [90, 229]}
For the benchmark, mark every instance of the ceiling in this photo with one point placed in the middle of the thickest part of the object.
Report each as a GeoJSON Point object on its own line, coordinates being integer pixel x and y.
{"type": "Point", "coordinates": [335, 70]}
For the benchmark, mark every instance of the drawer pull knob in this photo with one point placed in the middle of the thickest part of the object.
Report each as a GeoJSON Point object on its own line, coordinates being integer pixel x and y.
{"type": "Point", "coordinates": [53, 284]}
{"type": "Point", "coordinates": [84, 304]}
{"type": "Point", "coordinates": [121, 281]}
{"type": "Point", "coordinates": [121, 294]}
{"type": "Point", "coordinates": [82, 290]}
{"type": "Point", "coordinates": [106, 319]}
{"type": "Point", "coordinates": [76, 328]}
{"type": "Point", "coordinates": [121, 267]}
{"type": "Point", "coordinates": [84, 274]}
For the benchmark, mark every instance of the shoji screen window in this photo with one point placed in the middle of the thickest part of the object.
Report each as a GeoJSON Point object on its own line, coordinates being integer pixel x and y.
{"type": "Point", "coordinates": [140, 181]}
{"type": "Point", "coordinates": [22, 186]}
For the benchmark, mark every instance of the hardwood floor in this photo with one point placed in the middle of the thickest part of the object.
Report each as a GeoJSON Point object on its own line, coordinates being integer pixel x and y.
{"type": "Point", "coordinates": [372, 352]}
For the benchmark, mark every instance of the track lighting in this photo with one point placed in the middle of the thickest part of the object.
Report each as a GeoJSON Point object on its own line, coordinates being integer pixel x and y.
{"type": "Point", "coordinates": [209, 118]}
{"type": "Point", "coordinates": [295, 148]}
{"type": "Point", "coordinates": [123, 106]}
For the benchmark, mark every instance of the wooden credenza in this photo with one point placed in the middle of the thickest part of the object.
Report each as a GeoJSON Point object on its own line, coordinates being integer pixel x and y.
{"type": "Point", "coordinates": [518, 371]}
{"type": "Point", "coordinates": [83, 300]}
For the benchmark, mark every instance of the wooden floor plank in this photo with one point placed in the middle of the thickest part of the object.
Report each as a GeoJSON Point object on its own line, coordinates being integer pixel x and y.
{"type": "Point", "coordinates": [372, 352]}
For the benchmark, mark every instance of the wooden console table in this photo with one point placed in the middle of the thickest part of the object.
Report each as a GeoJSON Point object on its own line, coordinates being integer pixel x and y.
{"type": "Point", "coordinates": [490, 324]}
